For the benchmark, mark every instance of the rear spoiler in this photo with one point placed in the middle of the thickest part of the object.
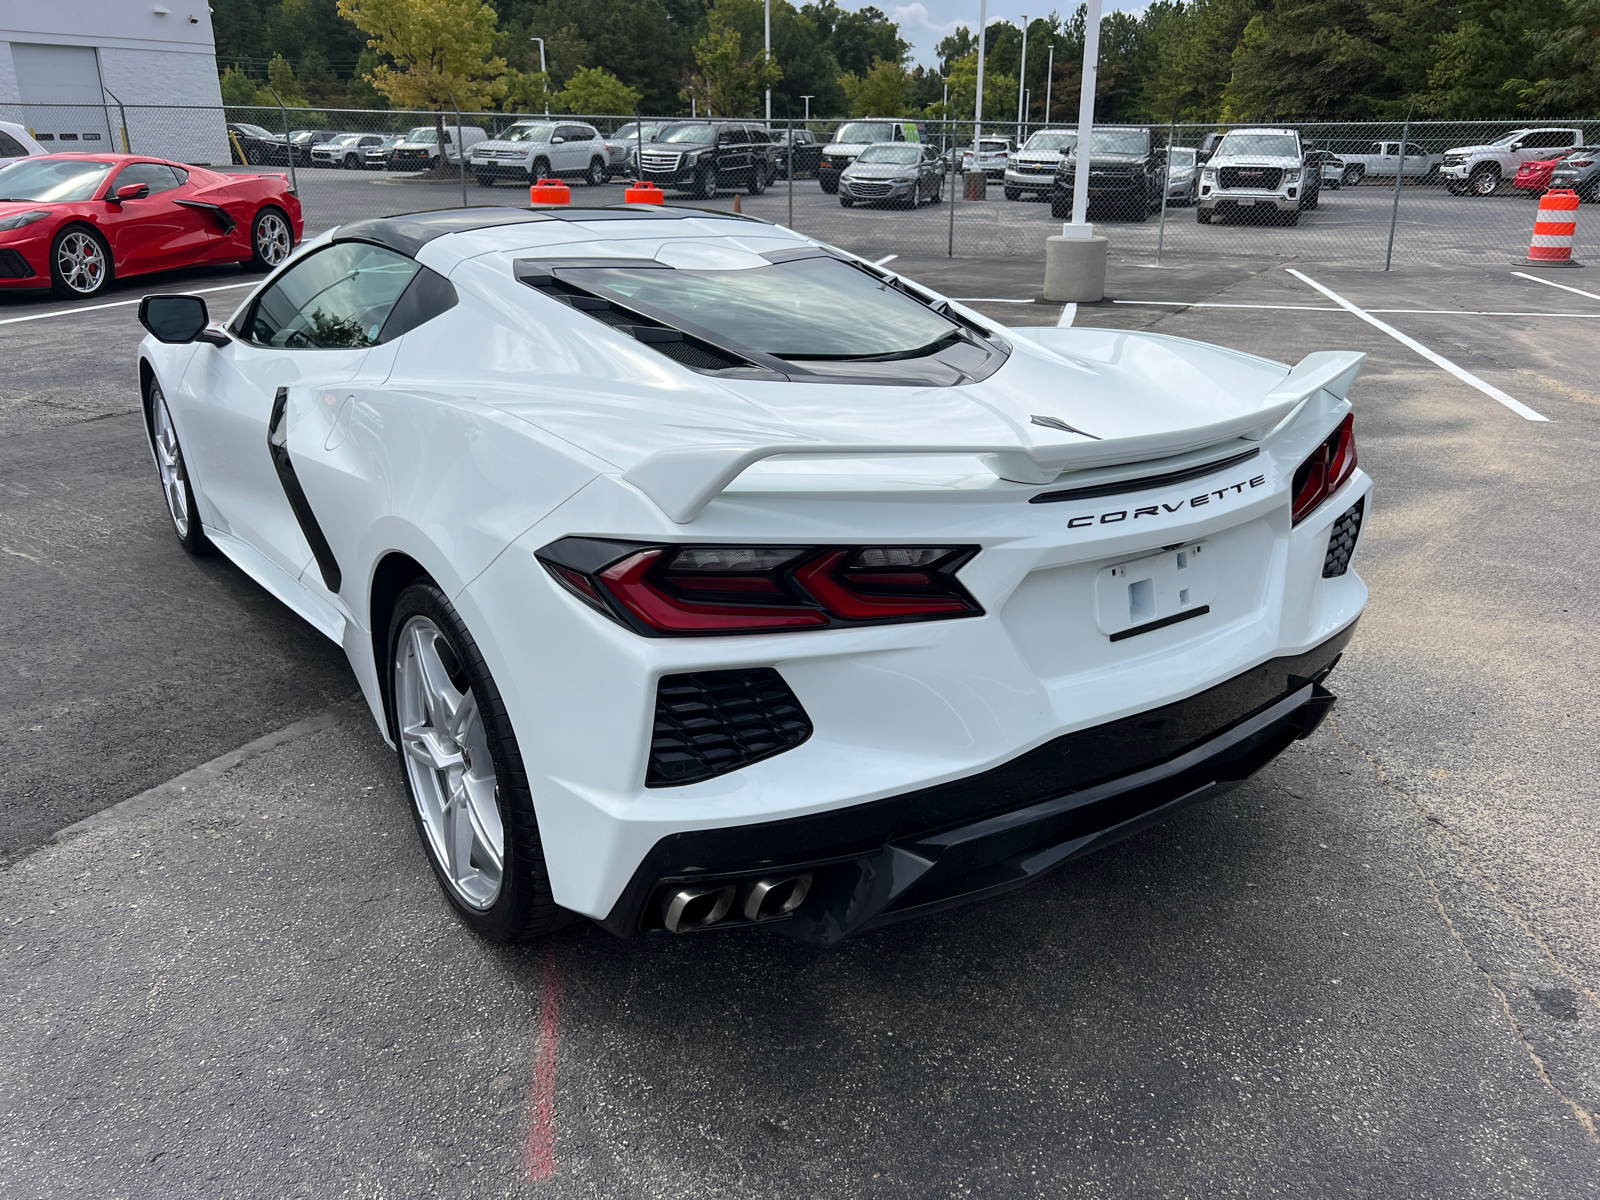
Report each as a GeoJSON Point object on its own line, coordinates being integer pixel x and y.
{"type": "Point", "coordinates": [683, 480]}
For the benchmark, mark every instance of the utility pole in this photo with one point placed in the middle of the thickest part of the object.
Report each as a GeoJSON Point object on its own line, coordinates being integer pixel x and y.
{"type": "Point", "coordinates": [807, 99]}
{"type": "Point", "coordinates": [768, 21]}
{"type": "Point", "coordinates": [977, 110]}
{"type": "Point", "coordinates": [542, 72]}
{"type": "Point", "coordinates": [1049, 80]}
{"type": "Point", "coordinates": [1091, 60]}
{"type": "Point", "coordinates": [1022, 79]}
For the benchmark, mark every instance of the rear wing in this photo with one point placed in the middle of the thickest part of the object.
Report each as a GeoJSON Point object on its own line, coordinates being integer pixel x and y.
{"type": "Point", "coordinates": [682, 480]}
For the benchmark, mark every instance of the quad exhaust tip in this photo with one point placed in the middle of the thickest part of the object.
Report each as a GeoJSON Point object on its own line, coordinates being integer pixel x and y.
{"type": "Point", "coordinates": [698, 905]}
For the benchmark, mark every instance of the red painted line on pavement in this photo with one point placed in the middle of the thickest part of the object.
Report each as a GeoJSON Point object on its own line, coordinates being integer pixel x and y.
{"type": "Point", "coordinates": [542, 1131]}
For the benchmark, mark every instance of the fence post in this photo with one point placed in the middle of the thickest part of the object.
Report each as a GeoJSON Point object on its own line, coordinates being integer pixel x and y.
{"type": "Point", "coordinates": [1166, 184]}
{"type": "Point", "coordinates": [950, 249]}
{"type": "Point", "coordinates": [288, 146]}
{"type": "Point", "coordinates": [123, 112]}
{"type": "Point", "coordinates": [461, 149]}
{"type": "Point", "coordinates": [791, 170]}
{"type": "Point", "coordinates": [1399, 176]}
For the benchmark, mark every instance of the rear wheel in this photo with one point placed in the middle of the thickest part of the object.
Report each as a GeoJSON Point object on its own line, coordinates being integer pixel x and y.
{"type": "Point", "coordinates": [758, 180]}
{"type": "Point", "coordinates": [80, 263]}
{"type": "Point", "coordinates": [175, 486]}
{"type": "Point", "coordinates": [271, 238]}
{"type": "Point", "coordinates": [469, 791]}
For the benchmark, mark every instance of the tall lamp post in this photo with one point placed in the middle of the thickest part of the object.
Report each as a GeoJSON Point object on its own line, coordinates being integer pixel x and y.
{"type": "Point", "coordinates": [808, 100]}
{"type": "Point", "coordinates": [1022, 79]}
{"type": "Point", "coordinates": [1049, 79]}
{"type": "Point", "coordinates": [542, 72]}
{"type": "Point", "coordinates": [977, 108]}
{"type": "Point", "coordinates": [768, 36]}
{"type": "Point", "coordinates": [1091, 60]}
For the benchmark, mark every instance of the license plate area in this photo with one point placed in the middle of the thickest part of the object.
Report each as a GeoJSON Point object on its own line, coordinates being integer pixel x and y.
{"type": "Point", "coordinates": [1149, 593]}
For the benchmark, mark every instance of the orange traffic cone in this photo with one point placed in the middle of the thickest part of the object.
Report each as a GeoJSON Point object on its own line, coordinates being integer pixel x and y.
{"type": "Point", "coordinates": [1553, 229]}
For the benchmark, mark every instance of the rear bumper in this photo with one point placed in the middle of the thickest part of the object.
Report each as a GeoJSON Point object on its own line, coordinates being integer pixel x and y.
{"type": "Point", "coordinates": [937, 847]}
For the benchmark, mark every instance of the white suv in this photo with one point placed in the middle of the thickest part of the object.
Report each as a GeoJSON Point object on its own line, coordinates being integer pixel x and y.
{"type": "Point", "coordinates": [1479, 169]}
{"type": "Point", "coordinates": [533, 150]}
{"type": "Point", "coordinates": [1255, 168]}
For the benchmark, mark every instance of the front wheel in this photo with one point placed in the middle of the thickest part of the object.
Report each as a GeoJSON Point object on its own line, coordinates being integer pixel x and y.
{"type": "Point", "coordinates": [469, 791]}
{"type": "Point", "coordinates": [485, 180]}
{"type": "Point", "coordinates": [830, 186]}
{"type": "Point", "coordinates": [1202, 216]}
{"type": "Point", "coordinates": [846, 202]}
{"type": "Point", "coordinates": [701, 188]}
{"type": "Point", "coordinates": [596, 174]}
{"type": "Point", "coordinates": [80, 264]}
{"type": "Point", "coordinates": [271, 238]}
{"type": "Point", "coordinates": [174, 474]}
{"type": "Point", "coordinates": [1291, 218]}
{"type": "Point", "coordinates": [351, 162]}
{"type": "Point", "coordinates": [1060, 208]}
{"type": "Point", "coordinates": [1013, 194]}
{"type": "Point", "coordinates": [1484, 183]}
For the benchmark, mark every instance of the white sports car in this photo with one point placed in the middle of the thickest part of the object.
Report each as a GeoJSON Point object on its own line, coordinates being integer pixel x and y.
{"type": "Point", "coordinates": [704, 576]}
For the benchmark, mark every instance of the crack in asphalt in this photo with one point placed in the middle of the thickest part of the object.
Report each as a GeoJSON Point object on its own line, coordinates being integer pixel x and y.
{"type": "Point", "coordinates": [1583, 1115]}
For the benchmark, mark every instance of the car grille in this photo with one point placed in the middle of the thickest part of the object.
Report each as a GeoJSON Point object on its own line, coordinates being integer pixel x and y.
{"type": "Point", "coordinates": [1454, 160]}
{"type": "Point", "coordinates": [868, 189]}
{"type": "Point", "coordinates": [14, 266]}
{"type": "Point", "coordinates": [711, 722]}
{"type": "Point", "coordinates": [656, 160]}
{"type": "Point", "coordinates": [1042, 170]}
{"type": "Point", "coordinates": [1267, 178]}
{"type": "Point", "coordinates": [1342, 540]}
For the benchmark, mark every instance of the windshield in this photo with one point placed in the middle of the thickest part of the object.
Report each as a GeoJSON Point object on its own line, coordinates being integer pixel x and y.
{"type": "Point", "coordinates": [1261, 145]}
{"type": "Point", "coordinates": [1052, 139]}
{"type": "Point", "coordinates": [52, 181]}
{"type": "Point", "coordinates": [1509, 138]}
{"type": "Point", "coordinates": [856, 132]}
{"type": "Point", "coordinates": [1119, 141]}
{"type": "Point", "coordinates": [344, 139]}
{"type": "Point", "coordinates": [630, 132]}
{"type": "Point", "coordinates": [1586, 153]}
{"type": "Point", "coordinates": [527, 133]}
{"type": "Point", "coordinates": [807, 308]}
{"type": "Point", "coordinates": [254, 131]}
{"type": "Point", "coordinates": [892, 153]}
{"type": "Point", "coordinates": [693, 134]}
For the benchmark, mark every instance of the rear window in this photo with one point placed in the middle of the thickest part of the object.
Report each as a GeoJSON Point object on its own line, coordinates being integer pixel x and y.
{"type": "Point", "coordinates": [817, 308]}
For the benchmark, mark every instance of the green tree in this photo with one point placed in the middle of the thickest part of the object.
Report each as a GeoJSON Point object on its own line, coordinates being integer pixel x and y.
{"type": "Point", "coordinates": [999, 92]}
{"type": "Point", "coordinates": [638, 41]}
{"type": "Point", "coordinates": [798, 47]}
{"type": "Point", "coordinates": [596, 90]}
{"type": "Point", "coordinates": [879, 93]}
{"type": "Point", "coordinates": [857, 39]}
{"type": "Point", "coordinates": [237, 87]}
{"type": "Point", "coordinates": [1566, 59]}
{"type": "Point", "coordinates": [527, 91]}
{"type": "Point", "coordinates": [441, 51]}
{"type": "Point", "coordinates": [726, 82]}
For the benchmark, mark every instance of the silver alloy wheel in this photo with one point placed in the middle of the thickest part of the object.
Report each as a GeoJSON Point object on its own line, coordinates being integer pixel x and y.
{"type": "Point", "coordinates": [273, 239]}
{"type": "Point", "coordinates": [451, 771]}
{"type": "Point", "coordinates": [169, 462]}
{"type": "Point", "coordinates": [82, 262]}
{"type": "Point", "coordinates": [1484, 183]}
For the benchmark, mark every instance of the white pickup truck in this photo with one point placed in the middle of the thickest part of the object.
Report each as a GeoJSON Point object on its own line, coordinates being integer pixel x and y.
{"type": "Point", "coordinates": [1383, 160]}
{"type": "Point", "coordinates": [1479, 169]}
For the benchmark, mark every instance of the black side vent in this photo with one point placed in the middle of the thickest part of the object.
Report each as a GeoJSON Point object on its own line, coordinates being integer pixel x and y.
{"type": "Point", "coordinates": [1342, 540]}
{"type": "Point", "coordinates": [14, 266]}
{"type": "Point", "coordinates": [711, 722]}
{"type": "Point", "coordinates": [698, 355]}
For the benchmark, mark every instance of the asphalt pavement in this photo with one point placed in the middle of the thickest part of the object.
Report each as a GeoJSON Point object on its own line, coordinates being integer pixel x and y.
{"type": "Point", "coordinates": [1373, 970]}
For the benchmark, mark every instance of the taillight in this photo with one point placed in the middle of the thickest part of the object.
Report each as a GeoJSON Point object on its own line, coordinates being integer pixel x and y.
{"type": "Point", "coordinates": [678, 590]}
{"type": "Point", "coordinates": [1324, 473]}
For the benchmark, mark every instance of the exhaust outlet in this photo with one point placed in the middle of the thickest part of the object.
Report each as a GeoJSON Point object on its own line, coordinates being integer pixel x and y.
{"type": "Point", "coordinates": [697, 906]}
{"type": "Point", "coordinates": [776, 896]}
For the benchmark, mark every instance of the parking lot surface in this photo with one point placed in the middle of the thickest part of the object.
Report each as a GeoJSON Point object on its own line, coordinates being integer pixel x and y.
{"type": "Point", "coordinates": [1372, 970]}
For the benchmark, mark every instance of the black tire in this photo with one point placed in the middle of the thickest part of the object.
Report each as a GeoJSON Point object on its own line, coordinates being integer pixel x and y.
{"type": "Point", "coordinates": [351, 162]}
{"type": "Point", "coordinates": [1013, 194]}
{"type": "Point", "coordinates": [1291, 218]}
{"type": "Point", "coordinates": [702, 187]}
{"type": "Point", "coordinates": [846, 202]}
{"type": "Point", "coordinates": [541, 170]}
{"type": "Point", "coordinates": [1060, 209]}
{"type": "Point", "coordinates": [524, 907]}
{"type": "Point", "coordinates": [262, 257]}
{"type": "Point", "coordinates": [829, 186]}
{"type": "Point", "coordinates": [485, 180]}
{"type": "Point", "coordinates": [758, 180]}
{"type": "Point", "coordinates": [1353, 175]}
{"type": "Point", "coordinates": [596, 174]}
{"type": "Point", "coordinates": [1202, 216]}
{"type": "Point", "coordinates": [93, 267]}
{"type": "Point", "coordinates": [1484, 181]}
{"type": "Point", "coordinates": [186, 527]}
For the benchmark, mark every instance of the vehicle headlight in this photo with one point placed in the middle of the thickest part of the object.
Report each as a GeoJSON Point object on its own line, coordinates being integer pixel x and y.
{"type": "Point", "coordinates": [1291, 176]}
{"type": "Point", "coordinates": [1208, 175]}
{"type": "Point", "coordinates": [18, 220]}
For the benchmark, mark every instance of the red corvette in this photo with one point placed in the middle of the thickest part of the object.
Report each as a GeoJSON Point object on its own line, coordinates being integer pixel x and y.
{"type": "Point", "coordinates": [72, 222]}
{"type": "Point", "coordinates": [1535, 176]}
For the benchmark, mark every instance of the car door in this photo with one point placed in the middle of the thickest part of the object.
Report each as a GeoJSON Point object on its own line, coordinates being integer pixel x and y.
{"type": "Point", "coordinates": [153, 232]}
{"type": "Point", "coordinates": [572, 155]}
{"type": "Point", "coordinates": [593, 147]}
{"type": "Point", "coordinates": [313, 326]}
{"type": "Point", "coordinates": [733, 156]}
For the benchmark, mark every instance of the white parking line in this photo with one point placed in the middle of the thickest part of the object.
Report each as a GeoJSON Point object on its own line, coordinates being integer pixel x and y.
{"type": "Point", "coordinates": [1069, 314]}
{"type": "Point", "coordinates": [988, 300]}
{"type": "Point", "coordinates": [68, 312]}
{"type": "Point", "coordinates": [1423, 312]}
{"type": "Point", "coordinates": [887, 258]}
{"type": "Point", "coordinates": [1554, 284]}
{"type": "Point", "coordinates": [1438, 360]}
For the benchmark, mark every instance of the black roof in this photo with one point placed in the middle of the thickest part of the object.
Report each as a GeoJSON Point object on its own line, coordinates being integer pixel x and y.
{"type": "Point", "coordinates": [408, 233]}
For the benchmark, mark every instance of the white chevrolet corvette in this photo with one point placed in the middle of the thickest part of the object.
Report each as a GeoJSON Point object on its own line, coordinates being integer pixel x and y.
{"type": "Point", "coordinates": [704, 576]}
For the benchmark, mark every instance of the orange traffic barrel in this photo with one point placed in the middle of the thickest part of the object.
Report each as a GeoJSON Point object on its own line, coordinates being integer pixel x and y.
{"type": "Point", "coordinates": [1554, 228]}
{"type": "Point", "coordinates": [644, 192]}
{"type": "Point", "coordinates": [550, 191]}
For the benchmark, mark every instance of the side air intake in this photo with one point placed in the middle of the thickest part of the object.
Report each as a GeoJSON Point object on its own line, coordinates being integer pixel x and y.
{"type": "Point", "coordinates": [711, 722]}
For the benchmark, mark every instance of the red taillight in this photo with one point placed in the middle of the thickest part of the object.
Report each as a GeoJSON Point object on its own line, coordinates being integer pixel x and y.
{"type": "Point", "coordinates": [687, 590]}
{"type": "Point", "coordinates": [1324, 472]}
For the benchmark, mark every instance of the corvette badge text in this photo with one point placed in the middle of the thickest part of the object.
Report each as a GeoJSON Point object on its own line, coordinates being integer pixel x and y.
{"type": "Point", "coordinates": [1155, 510]}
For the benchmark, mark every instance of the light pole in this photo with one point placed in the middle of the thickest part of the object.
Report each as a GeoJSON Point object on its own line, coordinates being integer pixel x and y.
{"type": "Point", "coordinates": [807, 99]}
{"type": "Point", "coordinates": [542, 72]}
{"type": "Point", "coordinates": [1049, 79]}
{"type": "Point", "coordinates": [1091, 60]}
{"type": "Point", "coordinates": [977, 108]}
{"type": "Point", "coordinates": [1022, 77]}
{"type": "Point", "coordinates": [768, 36]}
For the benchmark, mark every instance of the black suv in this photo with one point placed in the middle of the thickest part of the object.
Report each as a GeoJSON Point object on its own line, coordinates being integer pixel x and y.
{"type": "Point", "coordinates": [1127, 174]}
{"type": "Point", "coordinates": [705, 157]}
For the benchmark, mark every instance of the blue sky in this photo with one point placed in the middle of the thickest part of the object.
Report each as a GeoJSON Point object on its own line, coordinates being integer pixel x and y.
{"type": "Point", "coordinates": [925, 22]}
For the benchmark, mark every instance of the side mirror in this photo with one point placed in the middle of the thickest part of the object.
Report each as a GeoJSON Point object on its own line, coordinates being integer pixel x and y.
{"type": "Point", "coordinates": [134, 191]}
{"type": "Point", "coordinates": [177, 320]}
{"type": "Point", "coordinates": [556, 141]}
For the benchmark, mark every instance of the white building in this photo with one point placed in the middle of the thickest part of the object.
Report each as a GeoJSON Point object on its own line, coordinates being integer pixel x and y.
{"type": "Point", "coordinates": [92, 75]}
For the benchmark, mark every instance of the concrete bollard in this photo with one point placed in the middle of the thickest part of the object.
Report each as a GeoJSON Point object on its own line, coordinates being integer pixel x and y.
{"type": "Point", "coordinates": [1075, 266]}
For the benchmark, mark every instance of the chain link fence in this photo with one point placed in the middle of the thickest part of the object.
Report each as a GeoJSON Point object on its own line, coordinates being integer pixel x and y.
{"type": "Point", "coordinates": [1368, 194]}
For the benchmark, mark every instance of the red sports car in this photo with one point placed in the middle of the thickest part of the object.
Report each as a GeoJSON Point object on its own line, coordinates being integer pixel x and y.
{"type": "Point", "coordinates": [72, 222]}
{"type": "Point", "coordinates": [1535, 176]}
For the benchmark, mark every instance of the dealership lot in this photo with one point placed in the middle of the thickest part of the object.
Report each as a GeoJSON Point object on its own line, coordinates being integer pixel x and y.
{"type": "Point", "coordinates": [1370, 970]}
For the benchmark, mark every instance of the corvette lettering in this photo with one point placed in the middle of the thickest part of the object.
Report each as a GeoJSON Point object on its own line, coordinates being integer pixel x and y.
{"type": "Point", "coordinates": [1155, 510]}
